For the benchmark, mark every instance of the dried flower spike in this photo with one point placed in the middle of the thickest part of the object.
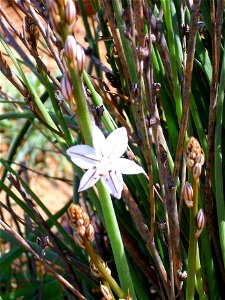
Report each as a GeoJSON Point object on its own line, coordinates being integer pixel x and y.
{"type": "Point", "coordinates": [188, 194]}
{"type": "Point", "coordinates": [194, 153]}
{"type": "Point", "coordinates": [80, 222]}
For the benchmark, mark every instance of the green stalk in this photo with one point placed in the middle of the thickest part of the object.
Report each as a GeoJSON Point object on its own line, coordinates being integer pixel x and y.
{"type": "Point", "coordinates": [83, 114]}
{"type": "Point", "coordinates": [192, 250]}
{"type": "Point", "coordinates": [220, 205]}
{"type": "Point", "coordinates": [116, 240]}
{"type": "Point", "coordinates": [105, 199]}
{"type": "Point", "coordinates": [199, 279]}
{"type": "Point", "coordinates": [174, 61]}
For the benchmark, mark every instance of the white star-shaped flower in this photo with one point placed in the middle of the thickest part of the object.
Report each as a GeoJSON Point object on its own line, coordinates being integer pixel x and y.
{"type": "Point", "coordinates": [103, 161]}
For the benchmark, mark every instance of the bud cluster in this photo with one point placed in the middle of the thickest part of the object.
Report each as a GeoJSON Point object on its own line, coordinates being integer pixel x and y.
{"type": "Point", "coordinates": [80, 223]}
{"type": "Point", "coordinates": [194, 157]}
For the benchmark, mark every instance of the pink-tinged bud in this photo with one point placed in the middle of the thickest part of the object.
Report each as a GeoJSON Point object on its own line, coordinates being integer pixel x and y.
{"type": "Point", "coordinates": [188, 194]}
{"type": "Point", "coordinates": [71, 49]}
{"type": "Point", "coordinates": [70, 15]}
{"type": "Point", "coordinates": [78, 240]}
{"type": "Point", "coordinates": [81, 230]}
{"type": "Point", "coordinates": [197, 169]}
{"type": "Point", "coordinates": [105, 292]}
{"type": "Point", "coordinates": [90, 232]}
{"type": "Point", "coordinates": [66, 88]}
{"type": "Point", "coordinates": [80, 58]}
{"type": "Point", "coordinates": [200, 158]}
{"type": "Point", "coordinates": [190, 163]}
{"type": "Point", "coordinates": [54, 16]}
{"type": "Point", "coordinates": [200, 223]}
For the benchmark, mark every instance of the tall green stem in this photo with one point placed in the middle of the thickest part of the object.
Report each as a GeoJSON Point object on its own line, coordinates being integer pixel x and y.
{"type": "Point", "coordinates": [105, 199]}
{"type": "Point", "coordinates": [116, 240]}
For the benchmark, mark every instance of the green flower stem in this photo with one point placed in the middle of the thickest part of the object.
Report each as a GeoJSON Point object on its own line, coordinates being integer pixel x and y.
{"type": "Point", "coordinates": [199, 279]}
{"type": "Point", "coordinates": [174, 61]}
{"type": "Point", "coordinates": [83, 114]}
{"type": "Point", "coordinates": [116, 240]}
{"type": "Point", "coordinates": [105, 199]}
{"type": "Point", "coordinates": [98, 263]}
{"type": "Point", "coordinates": [192, 249]}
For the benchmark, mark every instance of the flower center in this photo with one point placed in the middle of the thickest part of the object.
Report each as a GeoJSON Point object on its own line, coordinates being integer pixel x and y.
{"type": "Point", "coordinates": [104, 167]}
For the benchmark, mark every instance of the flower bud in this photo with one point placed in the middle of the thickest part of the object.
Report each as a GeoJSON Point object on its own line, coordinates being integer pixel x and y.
{"type": "Point", "coordinates": [188, 194]}
{"type": "Point", "coordinates": [80, 58]}
{"type": "Point", "coordinates": [200, 158]}
{"type": "Point", "coordinates": [105, 292]}
{"type": "Point", "coordinates": [81, 230]}
{"type": "Point", "coordinates": [54, 16]}
{"type": "Point", "coordinates": [71, 49]}
{"type": "Point", "coordinates": [90, 232]}
{"type": "Point", "coordinates": [197, 169]}
{"type": "Point", "coordinates": [200, 222]}
{"type": "Point", "coordinates": [66, 88]}
{"type": "Point", "coordinates": [78, 240]}
{"type": "Point", "coordinates": [70, 15]}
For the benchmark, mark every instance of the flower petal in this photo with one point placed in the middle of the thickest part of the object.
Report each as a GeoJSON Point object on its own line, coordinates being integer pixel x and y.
{"type": "Point", "coordinates": [116, 143]}
{"type": "Point", "coordinates": [98, 140]}
{"type": "Point", "coordinates": [114, 184]}
{"type": "Point", "coordinates": [126, 166]}
{"type": "Point", "coordinates": [83, 156]}
{"type": "Point", "coordinates": [88, 180]}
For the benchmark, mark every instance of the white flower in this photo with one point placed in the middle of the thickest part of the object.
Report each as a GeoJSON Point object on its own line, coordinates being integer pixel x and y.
{"type": "Point", "coordinates": [103, 161]}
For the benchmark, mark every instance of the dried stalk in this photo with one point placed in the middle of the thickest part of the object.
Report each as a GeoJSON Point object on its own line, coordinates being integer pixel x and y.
{"type": "Point", "coordinates": [43, 224]}
{"type": "Point", "coordinates": [144, 232]}
{"type": "Point", "coordinates": [116, 37]}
